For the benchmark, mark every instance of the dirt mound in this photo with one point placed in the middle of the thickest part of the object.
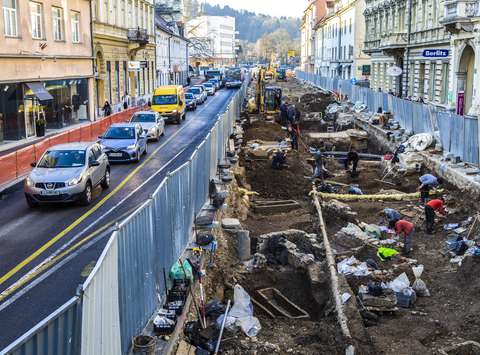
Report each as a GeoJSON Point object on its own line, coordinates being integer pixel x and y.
{"type": "Point", "coordinates": [267, 131]}
{"type": "Point", "coordinates": [315, 102]}
{"type": "Point", "coordinates": [288, 183]}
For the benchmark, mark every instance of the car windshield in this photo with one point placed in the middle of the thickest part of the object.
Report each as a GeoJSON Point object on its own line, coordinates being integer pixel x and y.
{"type": "Point", "coordinates": [200, 88]}
{"type": "Point", "coordinates": [120, 133]}
{"type": "Point", "coordinates": [143, 117]}
{"type": "Point", "coordinates": [62, 159]}
{"type": "Point", "coordinates": [208, 85]}
{"type": "Point", "coordinates": [165, 100]}
{"type": "Point", "coordinates": [195, 91]}
{"type": "Point", "coordinates": [189, 96]}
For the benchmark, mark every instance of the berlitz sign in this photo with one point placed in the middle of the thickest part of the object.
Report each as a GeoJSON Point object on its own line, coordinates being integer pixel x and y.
{"type": "Point", "coordinates": [435, 53]}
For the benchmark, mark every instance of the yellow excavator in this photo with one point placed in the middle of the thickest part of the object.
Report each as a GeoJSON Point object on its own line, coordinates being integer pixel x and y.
{"type": "Point", "coordinates": [267, 99]}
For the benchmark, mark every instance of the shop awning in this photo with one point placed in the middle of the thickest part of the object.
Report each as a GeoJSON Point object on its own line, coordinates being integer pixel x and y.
{"type": "Point", "coordinates": [40, 92]}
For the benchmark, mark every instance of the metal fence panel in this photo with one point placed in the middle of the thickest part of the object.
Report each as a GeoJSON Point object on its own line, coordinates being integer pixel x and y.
{"type": "Point", "coordinates": [470, 149]}
{"type": "Point", "coordinates": [57, 334]}
{"type": "Point", "coordinates": [136, 272]}
{"type": "Point", "coordinates": [101, 316]}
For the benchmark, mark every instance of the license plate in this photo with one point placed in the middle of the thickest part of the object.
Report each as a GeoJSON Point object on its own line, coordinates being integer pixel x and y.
{"type": "Point", "coordinates": [115, 155]}
{"type": "Point", "coordinates": [50, 192]}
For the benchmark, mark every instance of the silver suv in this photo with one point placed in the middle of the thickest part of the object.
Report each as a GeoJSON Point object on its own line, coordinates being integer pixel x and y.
{"type": "Point", "coordinates": [68, 173]}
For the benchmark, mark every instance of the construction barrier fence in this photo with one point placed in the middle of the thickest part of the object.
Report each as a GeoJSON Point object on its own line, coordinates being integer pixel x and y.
{"type": "Point", "coordinates": [458, 134]}
{"type": "Point", "coordinates": [126, 285]}
{"type": "Point", "coordinates": [16, 165]}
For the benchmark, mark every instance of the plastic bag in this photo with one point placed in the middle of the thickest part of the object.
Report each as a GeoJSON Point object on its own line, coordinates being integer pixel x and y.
{"type": "Point", "coordinates": [400, 283]}
{"type": "Point", "coordinates": [178, 273]}
{"type": "Point", "coordinates": [242, 305]}
{"type": "Point", "coordinates": [250, 325]}
{"type": "Point", "coordinates": [229, 323]}
{"type": "Point", "coordinates": [419, 285]}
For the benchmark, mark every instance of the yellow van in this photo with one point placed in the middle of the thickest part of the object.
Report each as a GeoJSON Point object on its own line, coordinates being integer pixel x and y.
{"type": "Point", "coordinates": [169, 101]}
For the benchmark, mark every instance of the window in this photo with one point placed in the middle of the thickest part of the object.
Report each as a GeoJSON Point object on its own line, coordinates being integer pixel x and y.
{"type": "Point", "coordinates": [350, 52]}
{"type": "Point", "coordinates": [75, 27]}
{"type": "Point", "coordinates": [445, 83]}
{"type": "Point", "coordinates": [117, 81]}
{"type": "Point", "coordinates": [36, 19]}
{"type": "Point", "coordinates": [431, 84]}
{"type": "Point", "coordinates": [350, 30]}
{"type": "Point", "coordinates": [122, 13]}
{"type": "Point", "coordinates": [10, 18]}
{"type": "Point", "coordinates": [57, 19]}
{"type": "Point", "coordinates": [108, 82]}
{"type": "Point", "coordinates": [129, 14]}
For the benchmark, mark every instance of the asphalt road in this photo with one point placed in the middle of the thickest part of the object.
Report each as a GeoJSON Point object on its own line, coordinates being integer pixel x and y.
{"type": "Point", "coordinates": [31, 287]}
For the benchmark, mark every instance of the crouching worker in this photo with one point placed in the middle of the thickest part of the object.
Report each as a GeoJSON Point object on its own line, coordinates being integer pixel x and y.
{"type": "Point", "coordinates": [352, 158]}
{"type": "Point", "coordinates": [436, 205]}
{"type": "Point", "coordinates": [318, 169]}
{"type": "Point", "coordinates": [392, 217]}
{"type": "Point", "coordinates": [428, 182]}
{"type": "Point", "coordinates": [405, 228]}
{"type": "Point", "coordinates": [279, 160]}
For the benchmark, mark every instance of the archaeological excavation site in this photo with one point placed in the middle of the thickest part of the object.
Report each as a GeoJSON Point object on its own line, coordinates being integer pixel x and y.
{"type": "Point", "coordinates": [337, 252]}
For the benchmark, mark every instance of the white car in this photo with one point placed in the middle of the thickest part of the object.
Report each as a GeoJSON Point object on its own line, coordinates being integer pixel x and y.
{"type": "Point", "coordinates": [204, 92]}
{"type": "Point", "coordinates": [209, 88]}
{"type": "Point", "coordinates": [152, 123]}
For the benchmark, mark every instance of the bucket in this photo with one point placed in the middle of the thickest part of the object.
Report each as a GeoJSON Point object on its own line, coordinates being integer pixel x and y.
{"type": "Point", "coordinates": [144, 345]}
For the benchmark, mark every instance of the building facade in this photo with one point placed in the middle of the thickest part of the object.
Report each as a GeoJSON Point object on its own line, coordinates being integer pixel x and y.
{"type": "Point", "coordinates": [214, 38]}
{"type": "Point", "coordinates": [415, 42]}
{"type": "Point", "coordinates": [47, 71]}
{"type": "Point", "coordinates": [171, 53]}
{"type": "Point", "coordinates": [339, 35]}
{"type": "Point", "coordinates": [307, 45]}
{"type": "Point", "coordinates": [124, 50]}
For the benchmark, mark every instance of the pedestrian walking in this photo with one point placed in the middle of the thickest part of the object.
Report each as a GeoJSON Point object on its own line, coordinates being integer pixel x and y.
{"type": "Point", "coordinates": [405, 228]}
{"type": "Point", "coordinates": [436, 205]}
{"type": "Point", "coordinates": [428, 182]}
{"type": "Point", "coordinates": [107, 109]}
{"type": "Point", "coordinates": [126, 100]}
{"type": "Point", "coordinates": [392, 216]}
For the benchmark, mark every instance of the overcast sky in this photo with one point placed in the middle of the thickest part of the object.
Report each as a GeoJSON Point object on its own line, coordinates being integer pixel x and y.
{"type": "Point", "coordinates": [292, 8]}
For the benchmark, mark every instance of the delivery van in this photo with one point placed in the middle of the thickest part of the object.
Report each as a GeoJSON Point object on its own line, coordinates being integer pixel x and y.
{"type": "Point", "coordinates": [169, 101]}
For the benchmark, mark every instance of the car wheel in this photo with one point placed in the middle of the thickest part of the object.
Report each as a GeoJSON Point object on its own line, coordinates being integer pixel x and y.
{"type": "Point", "coordinates": [106, 180]}
{"type": "Point", "coordinates": [30, 202]}
{"type": "Point", "coordinates": [86, 197]}
{"type": "Point", "coordinates": [184, 117]}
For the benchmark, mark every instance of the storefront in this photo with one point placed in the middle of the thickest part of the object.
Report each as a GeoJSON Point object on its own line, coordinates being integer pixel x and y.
{"type": "Point", "coordinates": [28, 109]}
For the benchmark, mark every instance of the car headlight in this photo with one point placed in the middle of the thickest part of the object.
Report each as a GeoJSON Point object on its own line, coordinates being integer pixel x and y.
{"type": "Point", "coordinates": [29, 181]}
{"type": "Point", "coordinates": [174, 111]}
{"type": "Point", "coordinates": [132, 146]}
{"type": "Point", "coordinates": [74, 181]}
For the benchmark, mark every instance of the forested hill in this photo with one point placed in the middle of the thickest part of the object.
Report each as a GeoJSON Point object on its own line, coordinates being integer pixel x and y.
{"type": "Point", "coordinates": [251, 26]}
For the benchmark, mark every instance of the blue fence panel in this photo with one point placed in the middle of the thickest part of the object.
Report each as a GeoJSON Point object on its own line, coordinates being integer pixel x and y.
{"type": "Point", "coordinates": [57, 334]}
{"type": "Point", "coordinates": [470, 152]}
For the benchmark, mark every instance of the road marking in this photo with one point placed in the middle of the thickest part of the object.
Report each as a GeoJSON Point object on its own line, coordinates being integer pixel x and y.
{"type": "Point", "coordinates": [64, 232]}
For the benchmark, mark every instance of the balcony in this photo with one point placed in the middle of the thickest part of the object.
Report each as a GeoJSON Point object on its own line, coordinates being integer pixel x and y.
{"type": "Point", "coordinates": [137, 35]}
{"type": "Point", "coordinates": [371, 46]}
{"type": "Point", "coordinates": [393, 40]}
{"type": "Point", "coordinates": [459, 14]}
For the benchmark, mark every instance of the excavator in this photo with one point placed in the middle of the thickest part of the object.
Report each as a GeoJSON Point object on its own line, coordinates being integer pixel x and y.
{"type": "Point", "coordinates": [268, 98]}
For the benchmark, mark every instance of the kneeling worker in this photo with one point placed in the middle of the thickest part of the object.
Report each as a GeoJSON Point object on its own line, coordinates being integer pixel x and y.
{"type": "Point", "coordinates": [436, 205]}
{"type": "Point", "coordinates": [406, 228]}
{"type": "Point", "coordinates": [279, 160]}
{"type": "Point", "coordinates": [392, 217]}
{"type": "Point", "coordinates": [352, 158]}
{"type": "Point", "coordinates": [428, 182]}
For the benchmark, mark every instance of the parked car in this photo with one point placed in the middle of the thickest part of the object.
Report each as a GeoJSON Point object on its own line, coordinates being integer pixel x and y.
{"type": "Point", "coordinates": [198, 93]}
{"type": "Point", "coordinates": [67, 173]}
{"type": "Point", "coordinates": [204, 92]}
{"type": "Point", "coordinates": [152, 123]}
{"type": "Point", "coordinates": [191, 101]}
{"type": "Point", "coordinates": [216, 83]}
{"type": "Point", "coordinates": [209, 88]}
{"type": "Point", "coordinates": [169, 101]}
{"type": "Point", "coordinates": [124, 142]}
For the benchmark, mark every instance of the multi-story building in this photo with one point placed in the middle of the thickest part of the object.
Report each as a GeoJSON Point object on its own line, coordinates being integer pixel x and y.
{"type": "Point", "coordinates": [46, 61]}
{"type": "Point", "coordinates": [339, 35]}
{"type": "Point", "coordinates": [461, 19]}
{"type": "Point", "coordinates": [408, 36]}
{"type": "Point", "coordinates": [124, 50]}
{"type": "Point", "coordinates": [307, 45]}
{"type": "Point", "coordinates": [216, 34]}
{"type": "Point", "coordinates": [172, 53]}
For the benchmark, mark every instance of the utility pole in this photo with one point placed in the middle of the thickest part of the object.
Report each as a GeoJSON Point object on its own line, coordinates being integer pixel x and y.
{"type": "Point", "coordinates": [407, 63]}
